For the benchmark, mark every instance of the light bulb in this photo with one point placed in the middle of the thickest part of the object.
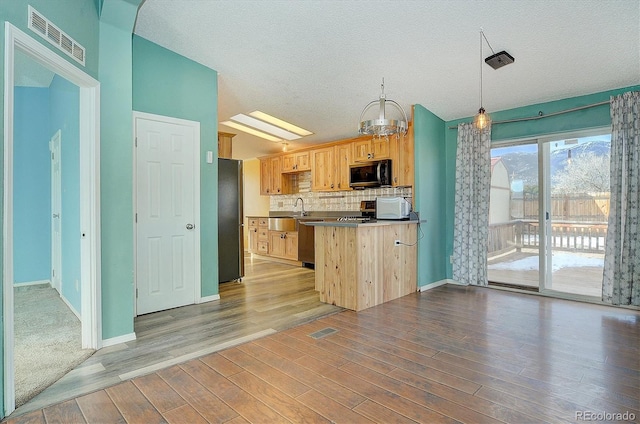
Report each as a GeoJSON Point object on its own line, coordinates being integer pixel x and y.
{"type": "Point", "coordinates": [482, 119]}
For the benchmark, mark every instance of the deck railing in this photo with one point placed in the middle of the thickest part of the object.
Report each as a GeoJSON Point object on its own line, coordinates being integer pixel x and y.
{"type": "Point", "coordinates": [565, 235]}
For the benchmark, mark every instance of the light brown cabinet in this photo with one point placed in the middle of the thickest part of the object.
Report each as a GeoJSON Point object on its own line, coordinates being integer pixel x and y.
{"type": "Point", "coordinates": [330, 168]}
{"type": "Point", "coordinates": [342, 157]}
{"type": "Point", "coordinates": [224, 144]}
{"type": "Point", "coordinates": [323, 169]}
{"type": "Point", "coordinates": [253, 234]}
{"type": "Point", "coordinates": [283, 244]}
{"type": "Point", "coordinates": [369, 149]}
{"type": "Point", "coordinates": [330, 165]}
{"type": "Point", "coordinates": [263, 236]}
{"type": "Point", "coordinates": [402, 158]}
{"type": "Point", "coordinates": [271, 179]}
{"type": "Point", "coordinates": [296, 162]}
{"type": "Point", "coordinates": [359, 267]}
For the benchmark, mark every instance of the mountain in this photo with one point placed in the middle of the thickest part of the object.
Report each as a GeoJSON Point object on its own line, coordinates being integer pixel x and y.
{"type": "Point", "coordinates": [523, 165]}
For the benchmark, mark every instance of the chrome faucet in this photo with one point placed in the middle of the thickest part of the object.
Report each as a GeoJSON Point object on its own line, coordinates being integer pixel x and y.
{"type": "Point", "coordinates": [303, 213]}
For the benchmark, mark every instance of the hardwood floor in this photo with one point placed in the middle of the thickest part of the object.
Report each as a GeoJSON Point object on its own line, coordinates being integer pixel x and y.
{"type": "Point", "coordinates": [451, 354]}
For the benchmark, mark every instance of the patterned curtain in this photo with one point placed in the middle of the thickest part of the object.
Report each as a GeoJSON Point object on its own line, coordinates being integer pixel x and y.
{"type": "Point", "coordinates": [471, 221]}
{"type": "Point", "coordinates": [621, 282]}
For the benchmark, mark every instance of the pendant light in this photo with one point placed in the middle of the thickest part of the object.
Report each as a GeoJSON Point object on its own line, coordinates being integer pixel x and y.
{"type": "Point", "coordinates": [383, 127]}
{"type": "Point", "coordinates": [482, 119]}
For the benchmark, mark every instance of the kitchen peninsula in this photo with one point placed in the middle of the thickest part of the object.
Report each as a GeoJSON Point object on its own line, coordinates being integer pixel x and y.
{"type": "Point", "coordinates": [359, 265]}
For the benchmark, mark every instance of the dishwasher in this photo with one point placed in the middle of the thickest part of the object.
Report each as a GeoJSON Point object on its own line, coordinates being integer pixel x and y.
{"type": "Point", "coordinates": [306, 250]}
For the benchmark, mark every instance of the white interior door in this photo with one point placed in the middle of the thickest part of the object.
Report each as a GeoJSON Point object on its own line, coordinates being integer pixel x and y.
{"type": "Point", "coordinates": [56, 228]}
{"type": "Point", "coordinates": [167, 257]}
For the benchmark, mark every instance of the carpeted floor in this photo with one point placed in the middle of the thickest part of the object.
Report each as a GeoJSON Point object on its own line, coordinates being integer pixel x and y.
{"type": "Point", "coordinates": [47, 340]}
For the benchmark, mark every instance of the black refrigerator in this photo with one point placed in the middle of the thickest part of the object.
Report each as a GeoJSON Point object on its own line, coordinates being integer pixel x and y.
{"type": "Point", "coordinates": [230, 221]}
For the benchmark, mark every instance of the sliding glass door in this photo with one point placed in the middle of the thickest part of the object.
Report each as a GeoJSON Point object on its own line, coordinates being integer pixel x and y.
{"type": "Point", "coordinates": [578, 207]}
{"type": "Point", "coordinates": [514, 243]}
{"type": "Point", "coordinates": [548, 214]}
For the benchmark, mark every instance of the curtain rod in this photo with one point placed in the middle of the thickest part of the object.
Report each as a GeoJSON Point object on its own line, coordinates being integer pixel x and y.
{"type": "Point", "coordinates": [541, 115]}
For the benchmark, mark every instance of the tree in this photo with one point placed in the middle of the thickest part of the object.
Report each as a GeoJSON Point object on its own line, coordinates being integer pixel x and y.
{"type": "Point", "coordinates": [584, 174]}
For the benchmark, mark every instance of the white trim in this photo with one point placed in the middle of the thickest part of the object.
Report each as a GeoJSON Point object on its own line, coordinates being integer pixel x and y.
{"type": "Point", "coordinates": [32, 283]}
{"type": "Point", "coordinates": [89, 211]}
{"type": "Point", "coordinates": [120, 339]}
{"type": "Point", "coordinates": [438, 284]}
{"type": "Point", "coordinates": [208, 298]}
{"type": "Point", "coordinates": [71, 308]}
{"type": "Point", "coordinates": [197, 295]}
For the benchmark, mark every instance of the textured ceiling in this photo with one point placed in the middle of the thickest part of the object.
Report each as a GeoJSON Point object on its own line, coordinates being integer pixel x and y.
{"type": "Point", "coordinates": [318, 63]}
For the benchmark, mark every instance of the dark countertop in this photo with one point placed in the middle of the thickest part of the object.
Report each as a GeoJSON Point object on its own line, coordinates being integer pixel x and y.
{"type": "Point", "coordinates": [372, 223]}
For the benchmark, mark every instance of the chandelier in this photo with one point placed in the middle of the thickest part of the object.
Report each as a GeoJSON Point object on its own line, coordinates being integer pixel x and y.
{"type": "Point", "coordinates": [383, 127]}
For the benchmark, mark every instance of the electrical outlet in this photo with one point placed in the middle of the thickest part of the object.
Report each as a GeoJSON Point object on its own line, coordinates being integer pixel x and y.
{"type": "Point", "coordinates": [397, 243]}
{"type": "Point", "coordinates": [77, 285]}
{"type": "Point", "coordinates": [451, 259]}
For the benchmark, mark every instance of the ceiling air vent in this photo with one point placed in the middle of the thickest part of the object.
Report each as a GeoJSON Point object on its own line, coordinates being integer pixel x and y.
{"type": "Point", "coordinates": [47, 30]}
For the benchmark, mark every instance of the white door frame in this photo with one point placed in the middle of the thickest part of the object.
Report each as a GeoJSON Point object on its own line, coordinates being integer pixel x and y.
{"type": "Point", "coordinates": [89, 119]}
{"type": "Point", "coordinates": [197, 295]}
{"type": "Point", "coordinates": [56, 199]}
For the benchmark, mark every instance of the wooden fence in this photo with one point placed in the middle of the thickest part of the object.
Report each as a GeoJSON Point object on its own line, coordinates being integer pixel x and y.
{"type": "Point", "coordinates": [592, 207]}
{"type": "Point", "coordinates": [565, 235]}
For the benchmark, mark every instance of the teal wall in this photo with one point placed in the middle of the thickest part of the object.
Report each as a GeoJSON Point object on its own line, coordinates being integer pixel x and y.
{"type": "Point", "coordinates": [596, 117]}
{"type": "Point", "coordinates": [32, 186]}
{"type": "Point", "coordinates": [64, 115]}
{"type": "Point", "coordinates": [429, 194]}
{"type": "Point", "coordinates": [116, 167]}
{"type": "Point", "coordinates": [165, 83]}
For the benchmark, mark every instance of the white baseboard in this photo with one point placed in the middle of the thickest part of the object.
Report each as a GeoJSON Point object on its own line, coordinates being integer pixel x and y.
{"type": "Point", "coordinates": [66, 302]}
{"type": "Point", "coordinates": [208, 298]}
{"type": "Point", "coordinates": [437, 284]}
{"type": "Point", "coordinates": [117, 340]}
{"type": "Point", "coordinates": [32, 283]}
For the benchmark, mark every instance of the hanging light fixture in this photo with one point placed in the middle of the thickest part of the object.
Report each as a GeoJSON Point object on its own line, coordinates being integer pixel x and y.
{"type": "Point", "coordinates": [482, 119]}
{"type": "Point", "coordinates": [383, 127]}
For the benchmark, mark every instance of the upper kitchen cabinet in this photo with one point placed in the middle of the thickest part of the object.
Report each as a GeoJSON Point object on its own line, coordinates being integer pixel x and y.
{"type": "Point", "coordinates": [224, 144]}
{"type": "Point", "coordinates": [402, 158]}
{"type": "Point", "coordinates": [330, 168]}
{"type": "Point", "coordinates": [368, 149]}
{"type": "Point", "coordinates": [271, 179]}
{"type": "Point", "coordinates": [342, 157]}
{"type": "Point", "coordinates": [296, 162]}
{"type": "Point", "coordinates": [322, 169]}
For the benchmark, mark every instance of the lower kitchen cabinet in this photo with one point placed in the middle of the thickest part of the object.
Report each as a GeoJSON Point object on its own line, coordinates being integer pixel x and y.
{"type": "Point", "coordinates": [283, 244]}
{"type": "Point", "coordinates": [258, 235]}
{"type": "Point", "coordinates": [253, 234]}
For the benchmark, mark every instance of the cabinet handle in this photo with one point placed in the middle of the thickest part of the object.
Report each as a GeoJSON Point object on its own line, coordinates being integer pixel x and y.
{"type": "Point", "coordinates": [331, 185]}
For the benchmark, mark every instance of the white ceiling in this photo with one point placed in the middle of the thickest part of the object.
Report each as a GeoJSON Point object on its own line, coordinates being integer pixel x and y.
{"type": "Point", "coordinates": [317, 63]}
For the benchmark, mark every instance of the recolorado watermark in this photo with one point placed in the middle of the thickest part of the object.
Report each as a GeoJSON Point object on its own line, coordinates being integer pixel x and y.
{"type": "Point", "coordinates": [605, 416]}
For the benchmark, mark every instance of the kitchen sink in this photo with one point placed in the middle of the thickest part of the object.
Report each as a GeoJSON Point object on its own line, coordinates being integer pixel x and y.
{"type": "Point", "coordinates": [282, 224]}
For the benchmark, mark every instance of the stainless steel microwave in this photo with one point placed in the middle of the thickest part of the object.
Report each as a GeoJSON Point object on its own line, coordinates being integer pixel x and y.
{"type": "Point", "coordinates": [370, 174]}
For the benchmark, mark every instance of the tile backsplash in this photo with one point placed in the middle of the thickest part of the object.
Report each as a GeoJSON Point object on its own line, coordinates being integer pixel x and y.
{"type": "Point", "coordinates": [330, 201]}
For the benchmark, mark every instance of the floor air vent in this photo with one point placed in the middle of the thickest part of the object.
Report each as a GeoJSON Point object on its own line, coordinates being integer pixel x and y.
{"type": "Point", "coordinates": [47, 30]}
{"type": "Point", "coordinates": [323, 333]}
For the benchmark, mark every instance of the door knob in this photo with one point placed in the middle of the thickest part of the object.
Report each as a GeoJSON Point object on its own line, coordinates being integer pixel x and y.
{"type": "Point", "coordinates": [190, 226]}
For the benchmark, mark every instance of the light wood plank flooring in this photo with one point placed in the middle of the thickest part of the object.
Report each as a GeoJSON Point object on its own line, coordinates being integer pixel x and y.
{"type": "Point", "coordinates": [450, 354]}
